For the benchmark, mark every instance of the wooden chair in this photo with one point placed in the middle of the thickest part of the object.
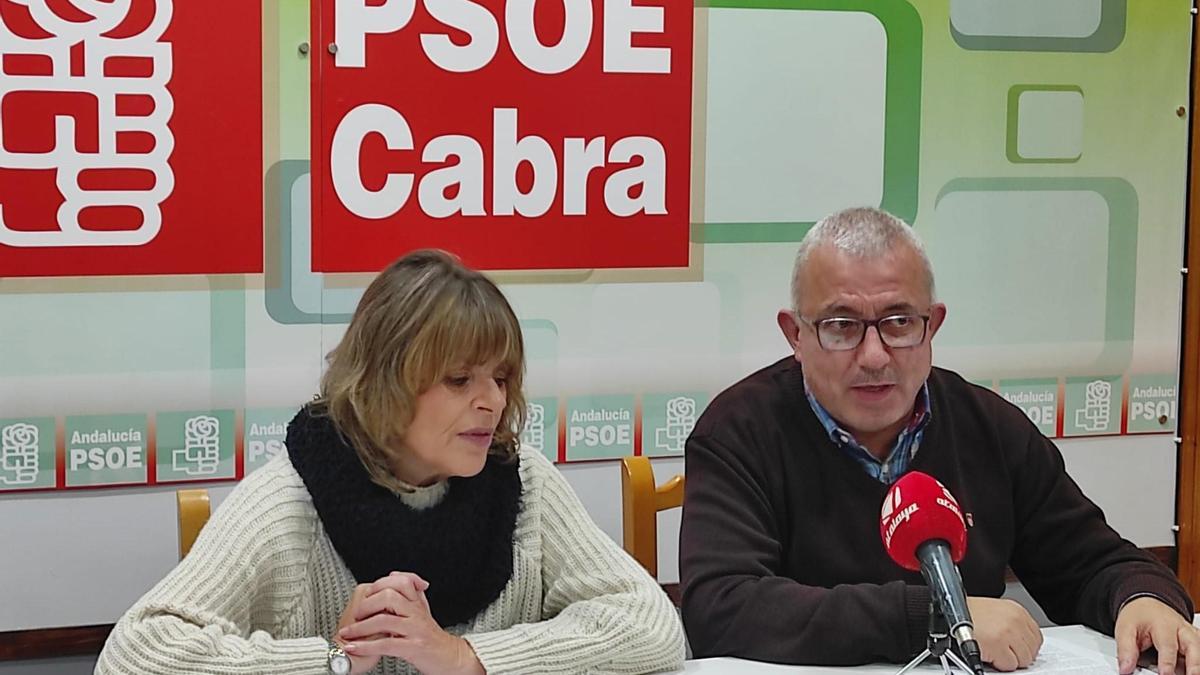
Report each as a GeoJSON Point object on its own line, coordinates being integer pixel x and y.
{"type": "Point", "coordinates": [194, 510]}
{"type": "Point", "coordinates": [641, 500]}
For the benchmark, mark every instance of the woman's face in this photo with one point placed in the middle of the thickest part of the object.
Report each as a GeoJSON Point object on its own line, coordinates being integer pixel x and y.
{"type": "Point", "coordinates": [453, 424]}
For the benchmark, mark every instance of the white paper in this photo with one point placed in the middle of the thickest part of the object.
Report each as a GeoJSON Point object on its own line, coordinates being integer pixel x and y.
{"type": "Point", "coordinates": [1059, 657]}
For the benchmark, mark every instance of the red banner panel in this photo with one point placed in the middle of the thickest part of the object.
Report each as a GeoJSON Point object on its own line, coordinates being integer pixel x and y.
{"type": "Point", "coordinates": [520, 134]}
{"type": "Point", "coordinates": [130, 137]}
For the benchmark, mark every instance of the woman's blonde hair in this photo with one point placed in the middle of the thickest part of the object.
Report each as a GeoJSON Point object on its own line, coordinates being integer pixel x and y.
{"type": "Point", "coordinates": [423, 316]}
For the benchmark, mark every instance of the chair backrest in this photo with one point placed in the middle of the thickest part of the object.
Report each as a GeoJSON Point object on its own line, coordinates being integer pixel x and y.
{"type": "Point", "coordinates": [641, 500]}
{"type": "Point", "coordinates": [194, 510]}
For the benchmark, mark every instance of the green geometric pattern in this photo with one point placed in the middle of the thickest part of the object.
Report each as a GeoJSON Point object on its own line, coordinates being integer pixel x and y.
{"type": "Point", "coordinates": [1012, 145]}
{"type": "Point", "coordinates": [1107, 37]}
{"type": "Point", "coordinates": [902, 115]}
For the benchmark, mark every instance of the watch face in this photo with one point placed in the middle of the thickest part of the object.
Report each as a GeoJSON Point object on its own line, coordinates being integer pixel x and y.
{"type": "Point", "coordinates": [339, 663]}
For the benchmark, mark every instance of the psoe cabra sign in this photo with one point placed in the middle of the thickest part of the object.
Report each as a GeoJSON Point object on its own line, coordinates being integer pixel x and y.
{"type": "Point", "coordinates": [130, 137]}
{"type": "Point", "coordinates": [520, 134]}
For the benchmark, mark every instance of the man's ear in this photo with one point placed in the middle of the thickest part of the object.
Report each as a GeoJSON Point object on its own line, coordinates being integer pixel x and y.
{"type": "Point", "coordinates": [937, 315]}
{"type": "Point", "coordinates": [790, 327]}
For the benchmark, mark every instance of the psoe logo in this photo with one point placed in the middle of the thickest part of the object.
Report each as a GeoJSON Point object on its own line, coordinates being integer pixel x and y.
{"type": "Point", "coordinates": [1097, 408]}
{"type": "Point", "coordinates": [105, 62]}
{"type": "Point", "coordinates": [201, 451]}
{"type": "Point", "coordinates": [534, 433]}
{"type": "Point", "coordinates": [19, 454]}
{"type": "Point", "coordinates": [680, 419]}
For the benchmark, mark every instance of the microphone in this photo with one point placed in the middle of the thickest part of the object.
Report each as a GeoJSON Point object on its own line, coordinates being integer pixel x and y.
{"type": "Point", "coordinates": [923, 530]}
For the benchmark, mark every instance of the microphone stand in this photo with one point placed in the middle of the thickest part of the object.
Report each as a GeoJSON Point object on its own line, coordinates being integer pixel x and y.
{"type": "Point", "coordinates": [938, 644]}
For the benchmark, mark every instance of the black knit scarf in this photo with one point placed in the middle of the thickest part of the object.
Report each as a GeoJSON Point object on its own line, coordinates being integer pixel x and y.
{"type": "Point", "coordinates": [463, 546]}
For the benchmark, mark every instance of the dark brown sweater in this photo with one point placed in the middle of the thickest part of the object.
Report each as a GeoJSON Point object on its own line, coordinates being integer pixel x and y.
{"type": "Point", "coordinates": [780, 554]}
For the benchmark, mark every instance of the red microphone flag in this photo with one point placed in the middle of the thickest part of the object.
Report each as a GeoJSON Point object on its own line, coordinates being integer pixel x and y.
{"type": "Point", "coordinates": [917, 509]}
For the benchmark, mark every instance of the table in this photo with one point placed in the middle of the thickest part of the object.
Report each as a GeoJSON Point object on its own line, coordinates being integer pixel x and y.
{"type": "Point", "coordinates": [1078, 636]}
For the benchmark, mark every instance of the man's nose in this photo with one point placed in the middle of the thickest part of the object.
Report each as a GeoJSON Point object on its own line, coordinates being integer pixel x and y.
{"type": "Point", "coordinates": [872, 353]}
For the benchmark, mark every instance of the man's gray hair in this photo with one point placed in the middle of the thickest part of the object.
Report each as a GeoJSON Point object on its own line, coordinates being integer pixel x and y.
{"type": "Point", "coordinates": [861, 232]}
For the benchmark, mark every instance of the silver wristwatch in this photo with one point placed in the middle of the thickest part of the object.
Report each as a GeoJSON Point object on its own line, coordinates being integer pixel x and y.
{"type": "Point", "coordinates": [339, 662]}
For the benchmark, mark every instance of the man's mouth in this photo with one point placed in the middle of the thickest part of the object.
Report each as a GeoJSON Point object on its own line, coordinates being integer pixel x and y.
{"type": "Point", "coordinates": [872, 391]}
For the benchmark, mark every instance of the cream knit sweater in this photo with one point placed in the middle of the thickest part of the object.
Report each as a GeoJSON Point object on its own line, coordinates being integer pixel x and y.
{"type": "Point", "coordinates": [263, 589]}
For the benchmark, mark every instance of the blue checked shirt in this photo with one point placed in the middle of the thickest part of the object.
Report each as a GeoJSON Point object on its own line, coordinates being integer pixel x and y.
{"type": "Point", "coordinates": [889, 470]}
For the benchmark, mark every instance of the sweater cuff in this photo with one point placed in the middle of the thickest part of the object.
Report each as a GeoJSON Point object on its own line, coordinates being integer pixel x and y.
{"type": "Point", "coordinates": [916, 610]}
{"type": "Point", "coordinates": [499, 651]}
{"type": "Point", "coordinates": [1164, 589]}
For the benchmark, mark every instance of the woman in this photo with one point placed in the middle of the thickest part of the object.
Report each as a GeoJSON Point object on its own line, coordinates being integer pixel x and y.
{"type": "Point", "coordinates": [403, 529]}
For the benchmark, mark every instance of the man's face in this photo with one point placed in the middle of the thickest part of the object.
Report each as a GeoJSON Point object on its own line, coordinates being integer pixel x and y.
{"type": "Point", "coordinates": [869, 390]}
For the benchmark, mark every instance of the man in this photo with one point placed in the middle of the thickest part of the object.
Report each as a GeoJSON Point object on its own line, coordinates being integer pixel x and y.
{"type": "Point", "coordinates": [780, 554]}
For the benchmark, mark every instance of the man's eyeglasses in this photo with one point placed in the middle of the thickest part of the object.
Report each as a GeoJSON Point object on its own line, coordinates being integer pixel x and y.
{"type": "Point", "coordinates": [898, 331]}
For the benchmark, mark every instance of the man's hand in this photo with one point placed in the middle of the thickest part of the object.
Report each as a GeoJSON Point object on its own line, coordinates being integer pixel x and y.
{"type": "Point", "coordinates": [1146, 622]}
{"type": "Point", "coordinates": [393, 619]}
{"type": "Point", "coordinates": [1008, 636]}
